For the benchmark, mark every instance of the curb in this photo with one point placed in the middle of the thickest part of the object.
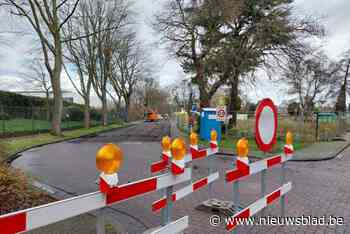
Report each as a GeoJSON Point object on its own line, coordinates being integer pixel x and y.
{"type": "Point", "coordinates": [9, 159]}
{"type": "Point", "coordinates": [323, 159]}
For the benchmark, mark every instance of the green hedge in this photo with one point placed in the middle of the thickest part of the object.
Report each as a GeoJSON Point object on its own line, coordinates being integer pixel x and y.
{"type": "Point", "coordinates": [18, 100]}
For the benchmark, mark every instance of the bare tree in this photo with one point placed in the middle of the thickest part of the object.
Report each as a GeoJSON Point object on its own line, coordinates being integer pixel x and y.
{"type": "Point", "coordinates": [129, 67]}
{"type": "Point", "coordinates": [47, 17]}
{"type": "Point", "coordinates": [38, 78]}
{"type": "Point", "coordinates": [183, 94]}
{"type": "Point", "coordinates": [78, 54]}
{"type": "Point", "coordinates": [308, 79]}
{"type": "Point", "coordinates": [339, 83]}
{"type": "Point", "coordinates": [102, 21]}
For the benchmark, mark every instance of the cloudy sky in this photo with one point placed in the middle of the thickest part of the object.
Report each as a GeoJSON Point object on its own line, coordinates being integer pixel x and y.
{"type": "Point", "coordinates": [334, 13]}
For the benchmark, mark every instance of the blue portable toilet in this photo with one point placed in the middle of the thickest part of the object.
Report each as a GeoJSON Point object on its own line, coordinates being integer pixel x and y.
{"type": "Point", "coordinates": [209, 122]}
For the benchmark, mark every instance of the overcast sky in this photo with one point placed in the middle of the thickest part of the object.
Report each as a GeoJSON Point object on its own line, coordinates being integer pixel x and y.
{"type": "Point", "coordinates": [334, 13]}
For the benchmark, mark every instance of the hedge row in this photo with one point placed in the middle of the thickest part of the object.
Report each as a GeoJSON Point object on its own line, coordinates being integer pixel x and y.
{"type": "Point", "coordinates": [11, 99]}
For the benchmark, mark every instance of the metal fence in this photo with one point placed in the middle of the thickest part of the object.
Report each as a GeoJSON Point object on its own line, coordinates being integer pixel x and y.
{"type": "Point", "coordinates": [28, 120]}
{"type": "Point", "coordinates": [320, 126]}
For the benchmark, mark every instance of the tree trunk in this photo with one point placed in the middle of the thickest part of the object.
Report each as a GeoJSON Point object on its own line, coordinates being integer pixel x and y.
{"type": "Point", "coordinates": [127, 108]}
{"type": "Point", "coordinates": [56, 88]}
{"type": "Point", "coordinates": [340, 106]}
{"type": "Point", "coordinates": [47, 106]}
{"type": "Point", "coordinates": [234, 99]}
{"type": "Point", "coordinates": [204, 98]}
{"type": "Point", "coordinates": [87, 114]}
{"type": "Point", "coordinates": [104, 110]}
{"type": "Point", "coordinates": [57, 106]}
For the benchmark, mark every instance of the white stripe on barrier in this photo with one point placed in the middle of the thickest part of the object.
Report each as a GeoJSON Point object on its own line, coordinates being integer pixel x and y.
{"type": "Point", "coordinates": [286, 188]}
{"type": "Point", "coordinates": [174, 227]}
{"type": "Point", "coordinates": [213, 177]}
{"type": "Point", "coordinates": [257, 166]}
{"type": "Point", "coordinates": [57, 211]}
{"type": "Point", "coordinates": [183, 192]}
{"type": "Point", "coordinates": [258, 205]}
{"type": "Point", "coordinates": [169, 179]}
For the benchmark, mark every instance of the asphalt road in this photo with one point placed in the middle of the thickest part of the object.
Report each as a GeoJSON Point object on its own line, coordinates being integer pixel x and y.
{"type": "Point", "coordinates": [319, 188]}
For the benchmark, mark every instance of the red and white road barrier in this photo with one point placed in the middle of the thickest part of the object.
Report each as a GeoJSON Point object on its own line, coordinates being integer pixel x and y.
{"type": "Point", "coordinates": [174, 227]}
{"type": "Point", "coordinates": [242, 169]}
{"type": "Point", "coordinates": [260, 204]}
{"type": "Point", "coordinates": [36, 217]}
{"type": "Point", "coordinates": [161, 203]}
{"type": "Point", "coordinates": [194, 154]}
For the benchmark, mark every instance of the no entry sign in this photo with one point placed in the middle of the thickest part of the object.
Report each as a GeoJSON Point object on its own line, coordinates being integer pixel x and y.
{"type": "Point", "coordinates": [265, 125]}
{"type": "Point", "coordinates": [221, 113]}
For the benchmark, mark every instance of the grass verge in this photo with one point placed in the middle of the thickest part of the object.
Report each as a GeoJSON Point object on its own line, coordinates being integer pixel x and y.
{"type": "Point", "coordinates": [13, 145]}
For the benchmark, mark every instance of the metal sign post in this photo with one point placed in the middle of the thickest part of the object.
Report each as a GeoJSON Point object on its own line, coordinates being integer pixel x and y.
{"type": "Point", "coordinates": [283, 180]}
{"type": "Point", "coordinates": [100, 223]}
{"type": "Point", "coordinates": [263, 187]}
{"type": "Point", "coordinates": [168, 208]}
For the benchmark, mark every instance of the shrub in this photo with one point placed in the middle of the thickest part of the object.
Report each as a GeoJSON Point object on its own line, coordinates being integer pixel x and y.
{"type": "Point", "coordinates": [95, 115]}
{"type": "Point", "coordinates": [4, 116]}
{"type": "Point", "coordinates": [75, 113]}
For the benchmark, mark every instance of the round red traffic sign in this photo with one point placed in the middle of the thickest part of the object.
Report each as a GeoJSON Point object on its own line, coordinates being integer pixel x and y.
{"type": "Point", "coordinates": [265, 125]}
{"type": "Point", "coordinates": [221, 113]}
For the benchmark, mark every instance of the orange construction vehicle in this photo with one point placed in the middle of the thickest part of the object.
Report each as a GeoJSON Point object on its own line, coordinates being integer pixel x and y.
{"type": "Point", "coordinates": [151, 116]}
